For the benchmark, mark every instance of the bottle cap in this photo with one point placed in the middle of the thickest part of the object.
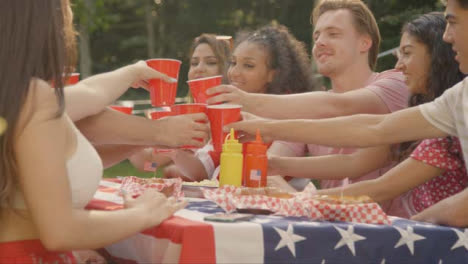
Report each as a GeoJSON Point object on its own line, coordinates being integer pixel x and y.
{"type": "Point", "coordinates": [231, 144]}
{"type": "Point", "coordinates": [257, 146]}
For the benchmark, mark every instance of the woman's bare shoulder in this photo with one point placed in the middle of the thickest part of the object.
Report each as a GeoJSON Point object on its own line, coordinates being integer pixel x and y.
{"type": "Point", "coordinates": [40, 105]}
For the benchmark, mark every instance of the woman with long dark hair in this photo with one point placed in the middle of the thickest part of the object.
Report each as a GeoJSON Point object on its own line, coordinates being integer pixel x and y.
{"type": "Point", "coordinates": [48, 170]}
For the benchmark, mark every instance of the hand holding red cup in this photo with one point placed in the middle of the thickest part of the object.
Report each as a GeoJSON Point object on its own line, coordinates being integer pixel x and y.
{"type": "Point", "coordinates": [163, 93]}
{"type": "Point", "coordinates": [198, 87]}
{"type": "Point", "coordinates": [219, 116]}
{"type": "Point", "coordinates": [183, 109]}
{"type": "Point", "coordinates": [155, 115]}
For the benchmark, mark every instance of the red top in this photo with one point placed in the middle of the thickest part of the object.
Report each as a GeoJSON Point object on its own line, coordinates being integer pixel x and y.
{"type": "Point", "coordinates": [445, 154]}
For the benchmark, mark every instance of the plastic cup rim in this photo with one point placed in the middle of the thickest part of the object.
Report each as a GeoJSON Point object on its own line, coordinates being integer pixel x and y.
{"type": "Point", "coordinates": [190, 104]}
{"type": "Point", "coordinates": [164, 59]}
{"type": "Point", "coordinates": [205, 78]}
{"type": "Point", "coordinates": [224, 106]}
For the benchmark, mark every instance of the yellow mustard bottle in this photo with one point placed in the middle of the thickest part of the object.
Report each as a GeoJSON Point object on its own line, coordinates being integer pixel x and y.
{"type": "Point", "coordinates": [231, 162]}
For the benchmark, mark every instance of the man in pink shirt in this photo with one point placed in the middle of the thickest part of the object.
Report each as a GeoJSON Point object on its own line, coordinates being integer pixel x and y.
{"type": "Point", "coordinates": [346, 45]}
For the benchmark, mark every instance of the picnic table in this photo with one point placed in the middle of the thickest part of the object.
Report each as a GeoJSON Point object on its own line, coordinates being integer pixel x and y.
{"type": "Point", "coordinates": [187, 238]}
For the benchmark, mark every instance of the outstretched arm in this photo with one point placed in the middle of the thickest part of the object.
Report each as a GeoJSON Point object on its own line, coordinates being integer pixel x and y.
{"type": "Point", "coordinates": [400, 179]}
{"type": "Point", "coordinates": [332, 167]}
{"type": "Point", "coordinates": [92, 95]}
{"type": "Point", "coordinates": [113, 127]}
{"type": "Point", "coordinates": [452, 211]}
{"type": "Point", "coordinates": [351, 131]}
{"type": "Point", "coordinates": [304, 106]}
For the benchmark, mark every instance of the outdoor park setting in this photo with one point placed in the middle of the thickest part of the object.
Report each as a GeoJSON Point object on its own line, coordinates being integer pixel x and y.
{"type": "Point", "coordinates": [113, 33]}
{"type": "Point", "coordinates": [260, 131]}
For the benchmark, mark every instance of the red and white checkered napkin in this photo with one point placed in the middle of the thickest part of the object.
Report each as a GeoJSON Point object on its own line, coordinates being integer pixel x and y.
{"type": "Point", "coordinates": [369, 213]}
{"type": "Point", "coordinates": [135, 186]}
{"type": "Point", "coordinates": [229, 198]}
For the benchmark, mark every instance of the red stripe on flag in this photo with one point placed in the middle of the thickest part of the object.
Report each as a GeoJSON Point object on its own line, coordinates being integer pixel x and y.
{"type": "Point", "coordinates": [196, 238]}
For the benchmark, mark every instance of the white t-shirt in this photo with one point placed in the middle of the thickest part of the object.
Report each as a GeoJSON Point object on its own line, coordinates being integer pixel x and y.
{"type": "Point", "coordinates": [449, 113]}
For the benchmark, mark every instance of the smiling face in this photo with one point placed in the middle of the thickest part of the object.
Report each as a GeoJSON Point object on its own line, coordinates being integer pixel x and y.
{"type": "Point", "coordinates": [456, 32]}
{"type": "Point", "coordinates": [203, 63]}
{"type": "Point", "coordinates": [414, 60]}
{"type": "Point", "coordinates": [337, 44]}
{"type": "Point", "coordinates": [249, 69]}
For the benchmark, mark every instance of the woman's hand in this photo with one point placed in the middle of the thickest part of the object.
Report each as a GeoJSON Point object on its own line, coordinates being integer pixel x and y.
{"type": "Point", "coordinates": [451, 211]}
{"type": "Point", "coordinates": [247, 128]}
{"type": "Point", "coordinates": [155, 205]}
{"type": "Point", "coordinates": [229, 94]}
{"type": "Point", "coordinates": [143, 73]}
{"type": "Point", "coordinates": [184, 130]}
{"type": "Point", "coordinates": [173, 171]}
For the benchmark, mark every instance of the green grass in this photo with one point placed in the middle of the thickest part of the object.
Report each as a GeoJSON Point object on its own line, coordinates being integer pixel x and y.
{"type": "Point", "coordinates": [125, 168]}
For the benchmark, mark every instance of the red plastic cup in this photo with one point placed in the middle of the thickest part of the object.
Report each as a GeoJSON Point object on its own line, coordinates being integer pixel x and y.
{"type": "Point", "coordinates": [183, 109]}
{"type": "Point", "coordinates": [73, 79]}
{"type": "Point", "coordinates": [163, 93]}
{"type": "Point", "coordinates": [157, 114]}
{"type": "Point", "coordinates": [219, 116]}
{"type": "Point", "coordinates": [124, 109]}
{"type": "Point", "coordinates": [198, 87]}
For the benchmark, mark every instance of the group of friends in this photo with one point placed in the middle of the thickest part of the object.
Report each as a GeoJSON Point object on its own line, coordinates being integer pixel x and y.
{"type": "Point", "coordinates": [399, 136]}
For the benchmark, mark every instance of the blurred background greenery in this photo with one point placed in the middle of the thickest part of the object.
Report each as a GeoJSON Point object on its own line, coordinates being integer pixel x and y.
{"type": "Point", "coordinates": [113, 33]}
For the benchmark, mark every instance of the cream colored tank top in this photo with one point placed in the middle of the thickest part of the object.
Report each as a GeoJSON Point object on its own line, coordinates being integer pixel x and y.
{"type": "Point", "coordinates": [84, 171]}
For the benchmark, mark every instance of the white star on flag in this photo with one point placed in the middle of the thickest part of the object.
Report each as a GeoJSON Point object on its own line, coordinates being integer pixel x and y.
{"type": "Point", "coordinates": [408, 237]}
{"type": "Point", "coordinates": [288, 238]}
{"type": "Point", "coordinates": [462, 239]}
{"type": "Point", "coordinates": [348, 238]}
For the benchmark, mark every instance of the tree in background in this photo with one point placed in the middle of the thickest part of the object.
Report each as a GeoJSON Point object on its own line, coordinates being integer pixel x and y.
{"type": "Point", "coordinates": [117, 32]}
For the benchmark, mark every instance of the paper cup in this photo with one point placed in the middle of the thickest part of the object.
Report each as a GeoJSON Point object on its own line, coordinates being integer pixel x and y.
{"type": "Point", "coordinates": [161, 92]}
{"type": "Point", "coordinates": [219, 116]}
{"type": "Point", "coordinates": [198, 87]}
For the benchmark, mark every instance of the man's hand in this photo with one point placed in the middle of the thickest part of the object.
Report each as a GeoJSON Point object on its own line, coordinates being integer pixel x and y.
{"type": "Point", "coordinates": [247, 128]}
{"type": "Point", "coordinates": [190, 129]}
{"type": "Point", "coordinates": [229, 94]}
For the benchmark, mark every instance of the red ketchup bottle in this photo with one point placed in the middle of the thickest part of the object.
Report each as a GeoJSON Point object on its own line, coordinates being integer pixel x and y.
{"type": "Point", "coordinates": [255, 163]}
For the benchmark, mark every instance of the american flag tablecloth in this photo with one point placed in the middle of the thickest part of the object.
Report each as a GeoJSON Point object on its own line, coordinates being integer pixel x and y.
{"type": "Point", "coordinates": [186, 238]}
